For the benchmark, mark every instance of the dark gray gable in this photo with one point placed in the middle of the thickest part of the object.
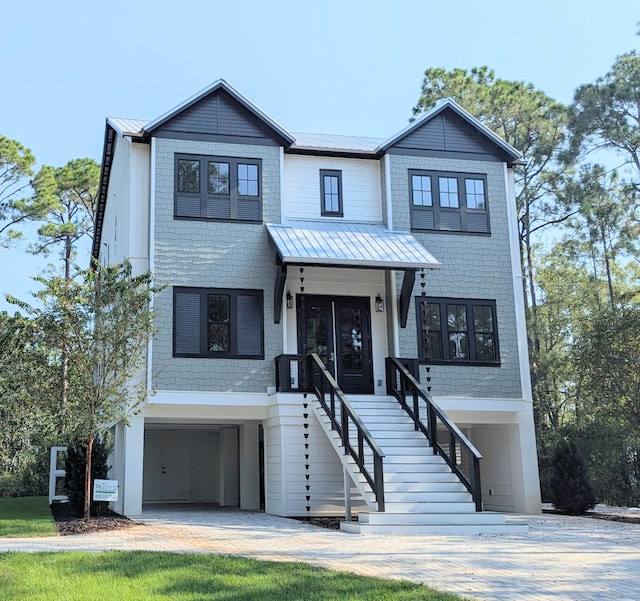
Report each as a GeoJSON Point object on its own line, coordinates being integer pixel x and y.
{"type": "Point", "coordinates": [218, 115]}
{"type": "Point", "coordinates": [447, 132]}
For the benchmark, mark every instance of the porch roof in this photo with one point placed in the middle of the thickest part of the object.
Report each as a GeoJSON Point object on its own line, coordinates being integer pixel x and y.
{"type": "Point", "coordinates": [362, 245]}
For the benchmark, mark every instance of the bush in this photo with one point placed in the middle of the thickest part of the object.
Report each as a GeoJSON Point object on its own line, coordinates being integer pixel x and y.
{"type": "Point", "coordinates": [569, 487]}
{"type": "Point", "coordinates": [75, 466]}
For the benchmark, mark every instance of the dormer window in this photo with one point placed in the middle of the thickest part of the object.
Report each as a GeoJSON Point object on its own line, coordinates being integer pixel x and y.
{"type": "Point", "coordinates": [454, 202]}
{"type": "Point", "coordinates": [331, 193]}
{"type": "Point", "coordinates": [225, 188]}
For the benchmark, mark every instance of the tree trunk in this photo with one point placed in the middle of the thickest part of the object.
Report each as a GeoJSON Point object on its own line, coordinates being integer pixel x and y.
{"type": "Point", "coordinates": [87, 478]}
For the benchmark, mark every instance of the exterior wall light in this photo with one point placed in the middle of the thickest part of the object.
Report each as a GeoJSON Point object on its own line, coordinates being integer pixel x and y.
{"type": "Point", "coordinates": [289, 300]}
{"type": "Point", "coordinates": [379, 304]}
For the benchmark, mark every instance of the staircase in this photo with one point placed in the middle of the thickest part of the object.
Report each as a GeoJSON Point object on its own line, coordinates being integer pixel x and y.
{"type": "Point", "coordinates": [422, 494]}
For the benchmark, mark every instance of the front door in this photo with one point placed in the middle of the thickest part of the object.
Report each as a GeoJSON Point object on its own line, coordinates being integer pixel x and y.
{"type": "Point", "coordinates": [338, 328]}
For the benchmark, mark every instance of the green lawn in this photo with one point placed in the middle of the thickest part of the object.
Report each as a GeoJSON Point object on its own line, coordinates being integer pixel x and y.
{"type": "Point", "coordinates": [26, 516]}
{"type": "Point", "coordinates": [148, 576]}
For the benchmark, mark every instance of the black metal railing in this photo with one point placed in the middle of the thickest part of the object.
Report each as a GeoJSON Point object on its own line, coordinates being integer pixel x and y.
{"type": "Point", "coordinates": [354, 436]}
{"type": "Point", "coordinates": [292, 373]}
{"type": "Point", "coordinates": [445, 437]}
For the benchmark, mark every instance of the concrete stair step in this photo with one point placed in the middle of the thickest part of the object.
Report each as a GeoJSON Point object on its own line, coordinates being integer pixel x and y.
{"type": "Point", "coordinates": [432, 507]}
{"type": "Point", "coordinates": [422, 487]}
{"type": "Point", "coordinates": [434, 529]}
{"type": "Point", "coordinates": [437, 496]}
{"type": "Point", "coordinates": [385, 517]}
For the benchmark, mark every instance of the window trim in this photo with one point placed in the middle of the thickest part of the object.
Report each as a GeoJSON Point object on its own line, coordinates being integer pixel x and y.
{"type": "Point", "coordinates": [233, 294]}
{"type": "Point", "coordinates": [204, 196]}
{"type": "Point", "coordinates": [437, 210]}
{"type": "Point", "coordinates": [337, 174]}
{"type": "Point", "coordinates": [442, 303]}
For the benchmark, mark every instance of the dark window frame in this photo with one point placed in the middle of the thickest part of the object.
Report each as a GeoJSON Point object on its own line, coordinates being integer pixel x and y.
{"type": "Point", "coordinates": [205, 198]}
{"type": "Point", "coordinates": [446, 359]}
{"type": "Point", "coordinates": [203, 320]}
{"type": "Point", "coordinates": [439, 211]}
{"type": "Point", "coordinates": [338, 175]}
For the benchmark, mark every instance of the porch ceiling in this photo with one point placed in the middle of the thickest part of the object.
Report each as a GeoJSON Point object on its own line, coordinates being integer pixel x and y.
{"type": "Point", "coordinates": [349, 245]}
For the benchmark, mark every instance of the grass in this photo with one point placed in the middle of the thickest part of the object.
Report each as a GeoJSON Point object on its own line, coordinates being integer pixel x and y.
{"type": "Point", "coordinates": [26, 517]}
{"type": "Point", "coordinates": [149, 576]}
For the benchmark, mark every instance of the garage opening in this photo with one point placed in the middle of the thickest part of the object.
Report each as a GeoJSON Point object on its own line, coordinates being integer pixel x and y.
{"type": "Point", "coordinates": [216, 464]}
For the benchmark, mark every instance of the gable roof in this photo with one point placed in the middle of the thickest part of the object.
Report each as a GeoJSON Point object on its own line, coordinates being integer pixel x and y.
{"type": "Point", "coordinates": [449, 104]}
{"type": "Point", "coordinates": [221, 84]}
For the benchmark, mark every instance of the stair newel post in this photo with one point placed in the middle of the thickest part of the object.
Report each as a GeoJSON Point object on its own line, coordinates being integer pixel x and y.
{"type": "Point", "coordinates": [452, 449]}
{"type": "Point", "coordinates": [378, 477]}
{"type": "Point", "coordinates": [475, 484]}
{"type": "Point", "coordinates": [347, 494]}
{"type": "Point", "coordinates": [344, 419]}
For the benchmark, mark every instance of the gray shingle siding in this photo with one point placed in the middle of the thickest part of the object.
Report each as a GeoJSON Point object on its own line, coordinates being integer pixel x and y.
{"type": "Point", "coordinates": [213, 254]}
{"type": "Point", "coordinates": [473, 267]}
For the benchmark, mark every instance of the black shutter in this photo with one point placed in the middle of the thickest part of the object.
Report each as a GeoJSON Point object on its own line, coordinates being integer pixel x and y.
{"type": "Point", "coordinates": [249, 324]}
{"type": "Point", "coordinates": [187, 323]}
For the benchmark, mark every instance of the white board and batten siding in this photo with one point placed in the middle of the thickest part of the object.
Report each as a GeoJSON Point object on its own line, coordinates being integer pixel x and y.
{"type": "Point", "coordinates": [360, 188]}
{"type": "Point", "coordinates": [289, 471]}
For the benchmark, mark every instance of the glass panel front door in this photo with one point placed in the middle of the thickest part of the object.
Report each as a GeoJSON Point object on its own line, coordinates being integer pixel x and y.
{"type": "Point", "coordinates": [339, 330]}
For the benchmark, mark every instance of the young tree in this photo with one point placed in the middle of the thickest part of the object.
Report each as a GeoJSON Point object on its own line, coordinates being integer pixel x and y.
{"type": "Point", "coordinates": [101, 320]}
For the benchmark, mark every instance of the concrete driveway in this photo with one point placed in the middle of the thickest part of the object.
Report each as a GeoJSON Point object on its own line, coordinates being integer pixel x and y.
{"type": "Point", "coordinates": [561, 558]}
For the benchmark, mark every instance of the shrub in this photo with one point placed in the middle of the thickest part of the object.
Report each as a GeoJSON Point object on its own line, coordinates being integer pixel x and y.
{"type": "Point", "coordinates": [569, 487]}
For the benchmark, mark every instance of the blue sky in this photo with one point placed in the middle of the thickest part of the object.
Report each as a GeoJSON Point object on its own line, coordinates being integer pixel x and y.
{"type": "Point", "coordinates": [333, 66]}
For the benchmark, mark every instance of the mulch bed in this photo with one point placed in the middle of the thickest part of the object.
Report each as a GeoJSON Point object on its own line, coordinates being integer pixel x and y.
{"type": "Point", "coordinates": [69, 523]}
{"type": "Point", "coordinates": [611, 517]}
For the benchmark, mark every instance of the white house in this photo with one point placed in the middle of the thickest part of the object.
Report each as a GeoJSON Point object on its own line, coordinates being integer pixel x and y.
{"type": "Point", "coordinates": [294, 262]}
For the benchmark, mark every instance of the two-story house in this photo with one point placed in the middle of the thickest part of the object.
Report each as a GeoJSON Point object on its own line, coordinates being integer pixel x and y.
{"type": "Point", "coordinates": [297, 261]}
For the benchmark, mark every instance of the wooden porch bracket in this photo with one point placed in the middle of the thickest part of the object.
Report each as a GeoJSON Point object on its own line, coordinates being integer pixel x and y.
{"type": "Point", "coordinates": [278, 291]}
{"type": "Point", "coordinates": [405, 295]}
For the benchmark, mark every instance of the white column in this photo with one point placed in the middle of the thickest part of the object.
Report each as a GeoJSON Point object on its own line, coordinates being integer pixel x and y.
{"type": "Point", "coordinates": [249, 467]}
{"type": "Point", "coordinates": [524, 466]}
{"type": "Point", "coordinates": [229, 484]}
{"type": "Point", "coordinates": [131, 487]}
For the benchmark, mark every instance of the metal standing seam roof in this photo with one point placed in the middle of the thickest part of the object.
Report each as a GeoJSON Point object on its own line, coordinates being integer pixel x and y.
{"type": "Point", "coordinates": [127, 127]}
{"type": "Point", "coordinates": [349, 245]}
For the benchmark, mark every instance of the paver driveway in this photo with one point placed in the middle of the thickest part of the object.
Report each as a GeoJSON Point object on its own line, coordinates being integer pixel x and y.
{"type": "Point", "coordinates": [561, 558]}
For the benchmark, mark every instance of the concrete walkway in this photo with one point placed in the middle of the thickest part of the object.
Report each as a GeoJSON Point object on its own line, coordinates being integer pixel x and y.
{"type": "Point", "coordinates": [562, 558]}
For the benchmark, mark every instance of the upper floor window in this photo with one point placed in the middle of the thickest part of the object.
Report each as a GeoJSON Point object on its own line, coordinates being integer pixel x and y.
{"type": "Point", "coordinates": [218, 188]}
{"type": "Point", "coordinates": [331, 192]}
{"type": "Point", "coordinates": [457, 331]}
{"type": "Point", "coordinates": [448, 201]}
{"type": "Point", "coordinates": [218, 322]}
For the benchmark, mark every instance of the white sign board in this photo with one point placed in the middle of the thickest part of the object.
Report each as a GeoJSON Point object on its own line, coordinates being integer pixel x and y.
{"type": "Point", "coordinates": [105, 490]}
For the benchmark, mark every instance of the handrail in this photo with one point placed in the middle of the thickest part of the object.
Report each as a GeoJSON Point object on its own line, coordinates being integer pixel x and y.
{"type": "Point", "coordinates": [457, 450]}
{"type": "Point", "coordinates": [347, 416]}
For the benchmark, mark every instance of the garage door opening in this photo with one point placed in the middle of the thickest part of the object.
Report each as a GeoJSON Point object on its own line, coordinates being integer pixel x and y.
{"type": "Point", "coordinates": [216, 465]}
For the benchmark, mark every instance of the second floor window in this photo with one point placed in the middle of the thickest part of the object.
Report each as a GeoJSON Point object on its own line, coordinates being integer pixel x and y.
{"type": "Point", "coordinates": [331, 192]}
{"type": "Point", "coordinates": [225, 188]}
{"type": "Point", "coordinates": [455, 202]}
